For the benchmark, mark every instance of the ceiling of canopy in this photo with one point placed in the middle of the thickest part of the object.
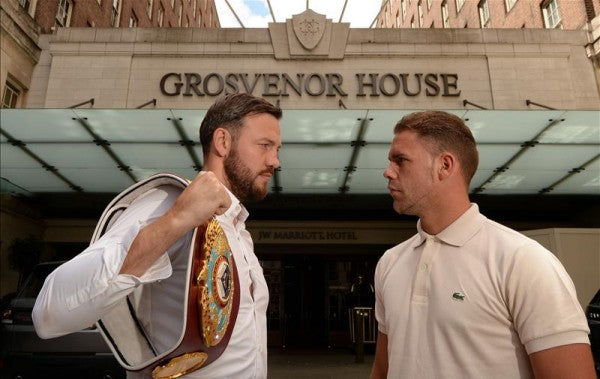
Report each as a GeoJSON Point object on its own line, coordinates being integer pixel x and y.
{"type": "Point", "coordinates": [324, 151]}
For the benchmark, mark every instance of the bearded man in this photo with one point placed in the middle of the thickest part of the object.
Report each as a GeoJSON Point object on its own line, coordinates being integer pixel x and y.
{"type": "Point", "coordinates": [240, 138]}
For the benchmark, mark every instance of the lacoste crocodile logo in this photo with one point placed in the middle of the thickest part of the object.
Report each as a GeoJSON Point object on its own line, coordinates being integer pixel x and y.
{"type": "Point", "coordinates": [458, 296]}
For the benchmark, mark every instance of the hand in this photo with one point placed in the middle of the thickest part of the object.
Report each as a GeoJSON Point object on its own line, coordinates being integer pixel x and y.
{"type": "Point", "coordinates": [204, 198]}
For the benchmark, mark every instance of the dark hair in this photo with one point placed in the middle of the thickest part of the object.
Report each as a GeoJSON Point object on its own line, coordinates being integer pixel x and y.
{"type": "Point", "coordinates": [229, 111]}
{"type": "Point", "coordinates": [445, 132]}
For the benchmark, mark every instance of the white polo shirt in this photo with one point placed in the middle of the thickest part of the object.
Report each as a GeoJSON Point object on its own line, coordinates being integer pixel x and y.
{"type": "Point", "coordinates": [472, 302]}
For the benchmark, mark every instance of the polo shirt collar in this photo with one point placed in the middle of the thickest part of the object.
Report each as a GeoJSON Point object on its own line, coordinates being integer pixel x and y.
{"type": "Point", "coordinates": [460, 231]}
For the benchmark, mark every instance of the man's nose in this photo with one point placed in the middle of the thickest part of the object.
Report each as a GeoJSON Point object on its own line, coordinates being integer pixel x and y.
{"type": "Point", "coordinates": [273, 160]}
{"type": "Point", "coordinates": [388, 173]}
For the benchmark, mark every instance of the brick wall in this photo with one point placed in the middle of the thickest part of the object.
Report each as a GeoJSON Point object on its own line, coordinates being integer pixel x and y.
{"type": "Point", "coordinates": [524, 13]}
{"type": "Point", "coordinates": [94, 13]}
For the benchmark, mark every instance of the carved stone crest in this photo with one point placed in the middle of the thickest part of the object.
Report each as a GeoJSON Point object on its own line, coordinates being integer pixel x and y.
{"type": "Point", "coordinates": [309, 28]}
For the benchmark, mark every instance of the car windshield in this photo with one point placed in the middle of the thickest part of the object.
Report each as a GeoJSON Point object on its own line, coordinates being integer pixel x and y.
{"type": "Point", "coordinates": [34, 283]}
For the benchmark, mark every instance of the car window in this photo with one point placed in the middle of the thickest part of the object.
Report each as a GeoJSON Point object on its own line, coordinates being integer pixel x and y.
{"type": "Point", "coordinates": [34, 283]}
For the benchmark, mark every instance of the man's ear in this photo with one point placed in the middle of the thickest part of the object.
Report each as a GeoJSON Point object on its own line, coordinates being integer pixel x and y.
{"type": "Point", "coordinates": [222, 142]}
{"type": "Point", "coordinates": [448, 165]}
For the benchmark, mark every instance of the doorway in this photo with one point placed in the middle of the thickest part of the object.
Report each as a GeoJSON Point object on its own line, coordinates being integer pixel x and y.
{"type": "Point", "coordinates": [304, 302]}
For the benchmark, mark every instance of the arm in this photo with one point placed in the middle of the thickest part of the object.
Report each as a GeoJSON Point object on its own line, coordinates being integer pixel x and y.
{"type": "Point", "coordinates": [380, 365]}
{"type": "Point", "coordinates": [567, 361]}
{"type": "Point", "coordinates": [201, 200]}
{"type": "Point", "coordinates": [83, 289]}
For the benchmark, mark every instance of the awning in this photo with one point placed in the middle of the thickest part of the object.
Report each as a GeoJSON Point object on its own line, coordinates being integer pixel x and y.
{"type": "Point", "coordinates": [324, 151]}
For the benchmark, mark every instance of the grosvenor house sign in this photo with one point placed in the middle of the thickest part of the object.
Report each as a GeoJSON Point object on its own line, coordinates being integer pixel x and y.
{"type": "Point", "coordinates": [311, 84]}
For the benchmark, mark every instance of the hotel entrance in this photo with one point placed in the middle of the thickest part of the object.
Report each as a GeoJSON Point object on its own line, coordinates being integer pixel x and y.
{"type": "Point", "coordinates": [304, 289]}
{"type": "Point", "coordinates": [311, 295]}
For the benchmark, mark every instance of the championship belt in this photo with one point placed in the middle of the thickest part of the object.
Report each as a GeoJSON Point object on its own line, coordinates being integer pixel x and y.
{"type": "Point", "coordinates": [209, 310]}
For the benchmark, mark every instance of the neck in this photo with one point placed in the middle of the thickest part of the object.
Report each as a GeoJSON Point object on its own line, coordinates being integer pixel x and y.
{"type": "Point", "coordinates": [217, 167]}
{"type": "Point", "coordinates": [439, 215]}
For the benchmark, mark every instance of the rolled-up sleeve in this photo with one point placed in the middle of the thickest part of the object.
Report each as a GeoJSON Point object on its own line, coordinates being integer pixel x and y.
{"type": "Point", "coordinates": [82, 290]}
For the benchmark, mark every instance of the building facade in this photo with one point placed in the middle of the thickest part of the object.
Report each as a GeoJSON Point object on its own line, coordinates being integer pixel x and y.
{"type": "Point", "coordinates": [498, 14]}
{"type": "Point", "coordinates": [123, 13]}
{"type": "Point", "coordinates": [505, 14]}
{"type": "Point", "coordinates": [24, 20]}
{"type": "Point", "coordinates": [528, 95]}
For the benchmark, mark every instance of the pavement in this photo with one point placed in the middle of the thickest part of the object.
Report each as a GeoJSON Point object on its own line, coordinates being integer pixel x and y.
{"type": "Point", "coordinates": [317, 364]}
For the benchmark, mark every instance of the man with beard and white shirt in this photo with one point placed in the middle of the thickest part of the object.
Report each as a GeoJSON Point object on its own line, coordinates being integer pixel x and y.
{"type": "Point", "coordinates": [240, 138]}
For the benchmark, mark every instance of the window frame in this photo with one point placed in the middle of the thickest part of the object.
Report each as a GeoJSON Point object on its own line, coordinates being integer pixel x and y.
{"type": "Point", "coordinates": [445, 14]}
{"type": "Point", "coordinates": [116, 13]}
{"type": "Point", "coordinates": [548, 14]}
{"type": "Point", "coordinates": [483, 8]}
{"type": "Point", "coordinates": [160, 16]}
{"type": "Point", "coordinates": [509, 5]}
{"type": "Point", "coordinates": [63, 13]}
{"type": "Point", "coordinates": [459, 5]}
{"type": "Point", "coordinates": [133, 20]}
{"type": "Point", "coordinates": [16, 93]}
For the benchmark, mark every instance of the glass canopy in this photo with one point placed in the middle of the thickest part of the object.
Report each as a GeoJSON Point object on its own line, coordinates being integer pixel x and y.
{"type": "Point", "coordinates": [324, 151]}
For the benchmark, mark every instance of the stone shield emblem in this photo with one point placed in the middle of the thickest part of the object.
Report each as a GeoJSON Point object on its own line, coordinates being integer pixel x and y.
{"type": "Point", "coordinates": [309, 28]}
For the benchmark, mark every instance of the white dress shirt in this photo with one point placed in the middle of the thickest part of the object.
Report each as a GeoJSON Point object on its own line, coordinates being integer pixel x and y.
{"type": "Point", "coordinates": [83, 289]}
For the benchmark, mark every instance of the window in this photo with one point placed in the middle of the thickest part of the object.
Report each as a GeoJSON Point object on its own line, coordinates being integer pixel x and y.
{"type": "Point", "coordinates": [459, 4]}
{"type": "Point", "coordinates": [149, 8]}
{"type": "Point", "coordinates": [509, 4]}
{"type": "Point", "coordinates": [428, 4]}
{"type": "Point", "coordinates": [551, 14]}
{"type": "Point", "coordinates": [420, 8]}
{"type": "Point", "coordinates": [403, 6]}
{"type": "Point", "coordinates": [116, 8]}
{"type": "Point", "coordinates": [161, 14]}
{"type": "Point", "coordinates": [484, 14]}
{"type": "Point", "coordinates": [10, 98]}
{"type": "Point", "coordinates": [133, 21]}
{"type": "Point", "coordinates": [194, 21]}
{"type": "Point", "coordinates": [63, 14]}
{"type": "Point", "coordinates": [387, 13]}
{"type": "Point", "coordinates": [25, 4]}
{"type": "Point", "coordinates": [180, 14]}
{"type": "Point", "coordinates": [445, 17]}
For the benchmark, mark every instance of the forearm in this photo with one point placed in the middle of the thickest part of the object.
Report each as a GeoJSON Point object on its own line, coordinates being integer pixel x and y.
{"type": "Point", "coordinates": [561, 362]}
{"type": "Point", "coordinates": [151, 242]}
{"type": "Point", "coordinates": [380, 364]}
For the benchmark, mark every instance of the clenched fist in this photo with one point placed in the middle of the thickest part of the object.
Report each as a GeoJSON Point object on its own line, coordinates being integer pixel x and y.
{"type": "Point", "coordinates": [204, 198]}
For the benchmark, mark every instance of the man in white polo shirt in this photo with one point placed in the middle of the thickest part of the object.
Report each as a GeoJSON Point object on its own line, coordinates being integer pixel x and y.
{"type": "Point", "coordinates": [467, 297]}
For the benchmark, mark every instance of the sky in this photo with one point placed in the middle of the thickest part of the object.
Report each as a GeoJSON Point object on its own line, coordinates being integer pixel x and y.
{"type": "Point", "coordinates": [255, 13]}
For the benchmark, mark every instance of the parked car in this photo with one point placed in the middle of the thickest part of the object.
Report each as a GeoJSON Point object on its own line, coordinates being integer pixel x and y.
{"type": "Point", "coordinates": [23, 354]}
{"type": "Point", "coordinates": [592, 313]}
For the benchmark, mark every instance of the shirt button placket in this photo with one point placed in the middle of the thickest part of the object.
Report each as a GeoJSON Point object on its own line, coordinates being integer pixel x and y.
{"type": "Point", "coordinates": [421, 290]}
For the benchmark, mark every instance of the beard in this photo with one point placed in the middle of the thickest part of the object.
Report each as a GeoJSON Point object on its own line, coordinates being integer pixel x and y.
{"type": "Point", "coordinates": [241, 179]}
